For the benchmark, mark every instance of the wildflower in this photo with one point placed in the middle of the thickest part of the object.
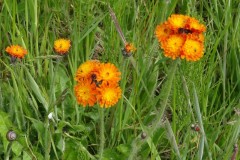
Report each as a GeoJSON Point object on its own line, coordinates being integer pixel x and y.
{"type": "Point", "coordinates": [97, 82]}
{"type": "Point", "coordinates": [172, 46]}
{"type": "Point", "coordinates": [62, 46]}
{"type": "Point", "coordinates": [108, 72]}
{"type": "Point", "coordinates": [16, 51]}
{"type": "Point", "coordinates": [109, 94]}
{"type": "Point", "coordinates": [162, 32]}
{"type": "Point", "coordinates": [177, 21]}
{"type": "Point", "coordinates": [181, 36]}
{"type": "Point", "coordinates": [129, 48]}
{"type": "Point", "coordinates": [85, 92]}
{"type": "Point", "coordinates": [192, 50]}
{"type": "Point", "coordinates": [196, 36]}
{"type": "Point", "coordinates": [194, 25]}
{"type": "Point", "coordinates": [87, 69]}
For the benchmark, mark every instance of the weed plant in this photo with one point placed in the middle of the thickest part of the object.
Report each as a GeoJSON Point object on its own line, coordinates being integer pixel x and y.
{"type": "Point", "coordinates": [163, 100]}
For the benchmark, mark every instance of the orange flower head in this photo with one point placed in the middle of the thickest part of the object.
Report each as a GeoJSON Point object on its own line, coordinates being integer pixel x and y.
{"type": "Point", "coordinates": [16, 51]}
{"type": "Point", "coordinates": [194, 25]}
{"type": "Point", "coordinates": [128, 50]}
{"type": "Point", "coordinates": [162, 32]}
{"type": "Point", "coordinates": [109, 94]}
{"type": "Point", "coordinates": [87, 69]}
{"type": "Point", "coordinates": [86, 92]}
{"type": "Point", "coordinates": [130, 47]}
{"type": "Point", "coordinates": [62, 46]}
{"type": "Point", "coordinates": [177, 21]}
{"type": "Point", "coordinates": [109, 73]}
{"type": "Point", "coordinates": [196, 36]}
{"type": "Point", "coordinates": [192, 50]}
{"type": "Point", "coordinates": [173, 45]}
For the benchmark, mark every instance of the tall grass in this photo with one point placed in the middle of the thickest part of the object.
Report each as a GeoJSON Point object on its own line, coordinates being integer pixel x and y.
{"type": "Point", "coordinates": [161, 98]}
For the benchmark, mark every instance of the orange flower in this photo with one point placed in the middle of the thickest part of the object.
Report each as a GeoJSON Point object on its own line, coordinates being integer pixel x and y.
{"type": "Point", "coordinates": [181, 36]}
{"type": "Point", "coordinates": [16, 51]}
{"type": "Point", "coordinates": [177, 21]}
{"type": "Point", "coordinates": [62, 46]}
{"type": "Point", "coordinates": [196, 36]}
{"type": "Point", "coordinates": [109, 94]}
{"type": "Point", "coordinates": [194, 25]}
{"type": "Point", "coordinates": [172, 46]}
{"type": "Point", "coordinates": [130, 47]}
{"type": "Point", "coordinates": [97, 82]}
{"type": "Point", "coordinates": [108, 73]}
{"type": "Point", "coordinates": [192, 50]}
{"type": "Point", "coordinates": [87, 70]}
{"type": "Point", "coordinates": [162, 32]}
{"type": "Point", "coordinates": [85, 92]}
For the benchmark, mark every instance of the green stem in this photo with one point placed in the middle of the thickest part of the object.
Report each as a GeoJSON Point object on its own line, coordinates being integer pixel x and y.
{"type": "Point", "coordinates": [9, 148]}
{"type": "Point", "coordinates": [102, 138]}
{"type": "Point", "coordinates": [53, 89]}
{"type": "Point", "coordinates": [155, 125]}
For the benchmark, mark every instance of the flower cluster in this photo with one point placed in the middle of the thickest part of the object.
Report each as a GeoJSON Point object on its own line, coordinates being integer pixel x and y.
{"type": "Point", "coordinates": [181, 36]}
{"type": "Point", "coordinates": [97, 83]}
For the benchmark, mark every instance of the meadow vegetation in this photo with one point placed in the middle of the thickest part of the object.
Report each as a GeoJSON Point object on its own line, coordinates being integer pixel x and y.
{"type": "Point", "coordinates": [169, 109]}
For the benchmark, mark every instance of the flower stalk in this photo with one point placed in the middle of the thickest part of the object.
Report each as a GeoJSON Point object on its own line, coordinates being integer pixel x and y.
{"type": "Point", "coordinates": [159, 117]}
{"type": "Point", "coordinates": [102, 137]}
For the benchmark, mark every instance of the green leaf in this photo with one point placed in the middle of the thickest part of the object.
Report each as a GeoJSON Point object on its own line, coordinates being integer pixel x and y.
{"type": "Point", "coordinates": [39, 126]}
{"type": "Point", "coordinates": [16, 158]}
{"type": "Point", "coordinates": [17, 148]}
{"type": "Point", "coordinates": [75, 150]}
{"type": "Point", "coordinates": [26, 156]}
{"type": "Point", "coordinates": [79, 128]}
{"type": "Point", "coordinates": [124, 149]}
{"type": "Point", "coordinates": [112, 154]}
{"type": "Point", "coordinates": [36, 90]}
{"type": "Point", "coordinates": [4, 125]}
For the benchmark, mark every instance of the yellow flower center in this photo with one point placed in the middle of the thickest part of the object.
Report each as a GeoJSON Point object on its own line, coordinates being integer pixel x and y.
{"type": "Point", "coordinates": [109, 95]}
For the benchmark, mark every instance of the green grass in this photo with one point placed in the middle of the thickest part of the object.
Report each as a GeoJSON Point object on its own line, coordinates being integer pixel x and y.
{"type": "Point", "coordinates": [161, 98]}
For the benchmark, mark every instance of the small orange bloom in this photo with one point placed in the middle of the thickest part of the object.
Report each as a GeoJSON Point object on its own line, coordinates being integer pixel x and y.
{"type": "Point", "coordinates": [192, 50]}
{"type": "Point", "coordinates": [173, 45]}
{"type": "Point", "coordinates": [62, 46]}
{"type": "Point", "coordinates": [130, 47]}
{"type": "Point", "coordinates": [162, 32]}
{"type": "Point", "coordinates": [85, 92]}
{"type": "Point", "coordinates": [109, 94]}
{"type": "Point", "coordinates": [128, 50]}
{"type": "Point", "coordinates": [196, 36]}
{"type": "Point", "coordinates": [194, 25]}
{"type": "Point", "coordinates": [16, 51]}
{"type": "Point", "coordinates": [177, 21]}
{"type": "Point", "coordinates": [108, 72]}
{"type": "Point", "coordinates": [87, 69]}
